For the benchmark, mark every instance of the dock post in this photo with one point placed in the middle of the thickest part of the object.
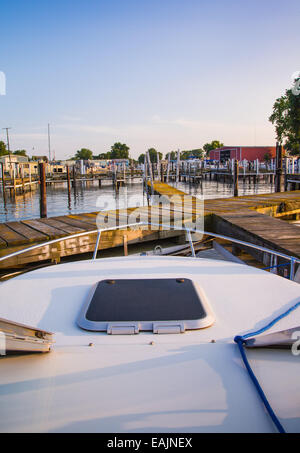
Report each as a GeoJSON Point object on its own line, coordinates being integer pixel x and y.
{"type": "Point", "coordinates": [145, 174]}
{"type": "Point", "coordinates": [279, 185]}
{"type": "Point", "coordinates": [29, 171]}
{"type": "Point", "coordinates": [236, 177]}
{"type": "Point", "coordinates": [22, 178]}
{"type": "Point", "coordinates": [69, 183]}
{"type": "Point", "coordinates": [177, 166]}
{"type": "Point", "coordinates": [286, 183]}
{"type": "Point", "coordinates": [43, 192]}
{"type": "Point", "coordinates": [125, 243]}
{"type": "Point", "coordinates": [150, 171]}
{"type": "Point", "coordinates": [3, 182]}
{"type": "Point", "coordinates": [158, 167]}
{"type": "Point", "coordinates": [168, 168]}
{"type": "Point", "coordinates": [74, 177]}
{"type": "Point", "coordinates": [14, 177]}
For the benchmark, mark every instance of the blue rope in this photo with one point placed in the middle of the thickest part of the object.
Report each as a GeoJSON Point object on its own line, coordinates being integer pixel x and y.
{"type": "Point", "coordinates": [273, 267]}
{"type": "Point", "coordinates": [240, 340]}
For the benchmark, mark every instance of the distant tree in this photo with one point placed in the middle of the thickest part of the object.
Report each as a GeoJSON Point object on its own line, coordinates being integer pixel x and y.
{"type": "Point", "coordinates": [43, 158]}
{"type": "Point", "coordinates": [84, 154]}
{"type": "Point", "coordinates": [197, 153]}
{"type": "Point", "coordinates": [141, 158]}
{"type": "Point", "coordinates": [185, 155]}
{"type": "Point", "coordinates": [153, 155]}
{"type": "Point", "coordinates": [3, 150]}
{"type": "Point", "coordinates": [20, 152]}
{"type": "Point", "coordinates": [119, 151]}
{"type": "Point", "coordinates": [215, 144]}
{"type": "Point", "coordinates": [267, 158]}
{"type": "Point", "coordinates": [173, 155]}
{"type": "Point", "coordinates": [103, 156]}
{"type": "Point", "coordinates": [286, 118]}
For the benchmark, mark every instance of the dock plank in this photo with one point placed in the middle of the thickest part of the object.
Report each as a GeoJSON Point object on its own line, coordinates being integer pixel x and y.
{"type": "Point", "coordinates": [74, 223]}
{"type": "Point", "coordinates": [29, 233]}
{"type": "Point", "coordinates": [68, 229]}
{"type": "Point", "coordinates": [3, 244]}
{"type": "Point", "coordinates": [10, 236]}
{"type": "Point", "coordinates": [48, 230]}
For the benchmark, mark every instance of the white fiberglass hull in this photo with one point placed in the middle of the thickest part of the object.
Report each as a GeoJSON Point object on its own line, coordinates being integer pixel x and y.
{"type": "Point", "coordinates": [192, 382]}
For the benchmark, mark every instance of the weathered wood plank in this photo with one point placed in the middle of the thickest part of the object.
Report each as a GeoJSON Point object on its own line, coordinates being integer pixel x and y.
{"type": "Point", "coordinates": [68, 229]}
{"type": "Point", "coordinates": [3, 244]}
{"type": "Point", "coordinates": [48, 230]}
{"type": "Point", "coordinates": [10, 236]}
{"type": "Point", "coordinates": [29, 233]}
{"type": "Point", "coordinates": [75, 223]}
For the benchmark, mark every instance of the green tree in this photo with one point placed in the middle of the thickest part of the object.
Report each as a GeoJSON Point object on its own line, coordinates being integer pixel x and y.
{"type": "Point", "coordinates": [153, 155]}
{"type": "Point", "coordinates": [141, 158]}
{"type": "Point", "coordinates": [84, 154]}
{"type": "Point", "coordinates": [286, 118]}
{"type": "Point", "coordinates": [267, 158]}
{"type": "Point", "coordinates": [103, 156]}
{"type": "Point", "coordinates": [3, 150]}
{"type": "Point", "coordinates": [215, 144]}
{"type": "Point", "coordinates": [20, 152]}
{"type": "Point", "coordinates": [119, 151]}
{"type": "Point", "coordinates": [173, 155]}
{"type": "Point", "coordinates": [197, 153]}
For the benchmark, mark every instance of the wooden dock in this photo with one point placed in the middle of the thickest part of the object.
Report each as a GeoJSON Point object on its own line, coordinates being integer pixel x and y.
{"type": "Point", "coordinates": [254, 218]}
{"type": "Point", "coordinates": [16, 236]}
{"type": "Point", "coordinates": [258, 219]}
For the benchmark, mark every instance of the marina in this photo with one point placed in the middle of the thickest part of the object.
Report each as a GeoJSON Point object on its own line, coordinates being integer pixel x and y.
{"type": "Point", "coordinates": [150, 220]}
{"type": "Point", "coordinates": [258, 219]}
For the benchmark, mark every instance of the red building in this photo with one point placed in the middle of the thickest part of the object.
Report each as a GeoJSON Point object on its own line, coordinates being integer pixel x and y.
{"type": "Point", "coordinates": [243, 152]}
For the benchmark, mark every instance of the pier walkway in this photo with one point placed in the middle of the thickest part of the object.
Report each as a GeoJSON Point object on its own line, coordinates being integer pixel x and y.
{"type": "Point", "coordinates": [254, 218]}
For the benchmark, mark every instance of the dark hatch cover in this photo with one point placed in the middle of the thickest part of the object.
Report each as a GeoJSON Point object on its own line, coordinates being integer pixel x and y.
{"type": "Point", "coordinates": [145, 300]}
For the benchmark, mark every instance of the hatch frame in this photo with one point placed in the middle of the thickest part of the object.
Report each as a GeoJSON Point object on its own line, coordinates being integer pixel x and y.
{"type": "Point", "coordinates": [154, 326]}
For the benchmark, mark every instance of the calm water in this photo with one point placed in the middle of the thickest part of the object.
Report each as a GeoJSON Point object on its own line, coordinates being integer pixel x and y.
{"type": "Point", "coordinates": [89, 197]}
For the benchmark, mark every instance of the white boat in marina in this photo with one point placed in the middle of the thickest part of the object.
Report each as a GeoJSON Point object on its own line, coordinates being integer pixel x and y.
{"type": "Point", "coordinates": [146, 344]}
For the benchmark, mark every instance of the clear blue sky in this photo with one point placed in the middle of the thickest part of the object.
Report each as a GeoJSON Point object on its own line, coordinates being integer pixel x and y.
{"type": "Point", "coordinates": [162, 73]}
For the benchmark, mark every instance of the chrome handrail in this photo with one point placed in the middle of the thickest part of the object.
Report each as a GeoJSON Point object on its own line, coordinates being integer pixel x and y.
{"type": "Point", "coordinates": [293, 260]}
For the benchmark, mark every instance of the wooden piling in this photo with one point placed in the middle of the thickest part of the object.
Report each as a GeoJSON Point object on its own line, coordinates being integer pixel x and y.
{"type": "Point", "coordinates": [125, 243]}
{"type": "Point", "coordinates": [150, 171]}
{"type": "Point", "coordinates": [279, 180]}
{"type": "Point", "coordinates": [158, 167]}
{"type": "Point", "coordinates": [236, 177]}
{"type": "Point", "coordinates": [74, 177]}
{"type": "Point", "coordinates": [3, 182]}
{"type": "Point", "coordinates": [69, 183]}
{"type": "Point", "coordinates": [178, 166]}
{"type": "Point", "coordinates": [43, 191]}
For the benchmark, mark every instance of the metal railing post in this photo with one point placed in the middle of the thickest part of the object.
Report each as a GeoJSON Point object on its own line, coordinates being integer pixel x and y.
{"type": "Point", "coordinates": [292, 268]}
{"type": "Point", "coordinates": [191, 243]}
{"type": "Point", "coordinates": [97, 245]}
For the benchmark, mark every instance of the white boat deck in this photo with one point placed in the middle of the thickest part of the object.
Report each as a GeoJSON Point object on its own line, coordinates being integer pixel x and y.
{"type": "Point", "coordinates": [181, 383]}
